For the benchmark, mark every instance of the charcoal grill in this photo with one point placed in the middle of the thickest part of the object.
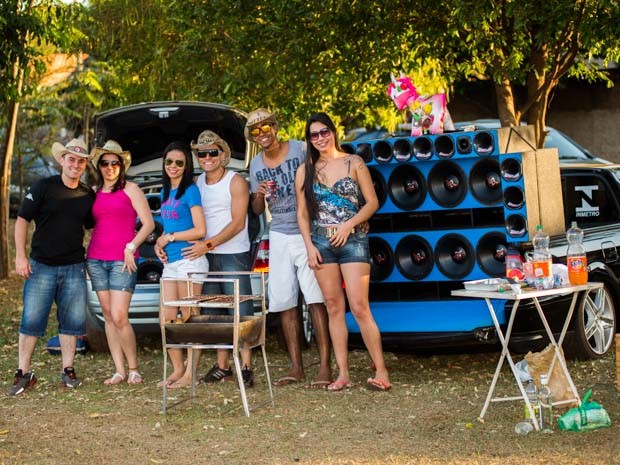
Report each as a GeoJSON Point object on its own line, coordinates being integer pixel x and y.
{"type": "Point", "coordinates": [198, 332]}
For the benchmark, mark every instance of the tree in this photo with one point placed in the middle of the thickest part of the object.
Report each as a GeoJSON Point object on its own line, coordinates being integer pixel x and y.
{"type": "Point", "coordinates": [27, 26]}
{"type": "Point", "coordinates": [523, 47]}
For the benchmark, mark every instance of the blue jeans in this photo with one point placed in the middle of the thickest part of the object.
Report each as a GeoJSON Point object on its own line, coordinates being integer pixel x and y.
{"type": "Point", "coordinates": [65, 285]}
{"type": "Point", "coordinates": [108, 275]}
{"type": "Point", "coordinates": [354, 251]}
{"type": "Point", "coordinates": [229, 262]}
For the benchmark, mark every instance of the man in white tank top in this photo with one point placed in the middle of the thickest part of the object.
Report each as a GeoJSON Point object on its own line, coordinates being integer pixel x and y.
{"type": "Point", "coordinates": [225, 198]}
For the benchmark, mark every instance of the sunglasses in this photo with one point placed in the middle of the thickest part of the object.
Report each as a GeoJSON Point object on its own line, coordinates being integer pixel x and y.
{"type": "Point", "coordinates": [179, 163]}
{"type": "Point", "coordinates": [105, 163]}
{"type": "Point", "coordinates": [324, 133]}
{"type": "Point", "coordinates": [208, 153]}
{"type": "Point", "coordinates": [265, 128]}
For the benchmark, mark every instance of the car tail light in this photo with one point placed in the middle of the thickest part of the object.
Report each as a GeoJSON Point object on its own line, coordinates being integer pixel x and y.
{"type": "Point", "coordinates": [261, 261]}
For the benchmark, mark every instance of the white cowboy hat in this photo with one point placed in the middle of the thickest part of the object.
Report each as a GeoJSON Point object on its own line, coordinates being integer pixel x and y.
{"type": "Point", "coordinates": [76, 147]}
{"type": "Point", "coordinates": [256, 118]}
{"type": "Point", "coordinates": [113, 147]}
{"type": "Point", "coordinates": [206, 138]}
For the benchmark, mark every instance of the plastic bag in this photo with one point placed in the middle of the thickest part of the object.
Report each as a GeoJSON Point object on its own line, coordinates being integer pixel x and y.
{"type": "Point", "coordinates": [538, 364]}
{"type": "Point", "coordinates": [589, 416]}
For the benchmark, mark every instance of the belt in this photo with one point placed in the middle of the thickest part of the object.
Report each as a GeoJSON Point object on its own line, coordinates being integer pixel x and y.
{"type": "Point", "coordinates": [329, 231]}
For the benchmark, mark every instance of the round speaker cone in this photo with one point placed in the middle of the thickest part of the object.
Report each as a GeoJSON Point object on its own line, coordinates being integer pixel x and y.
{"type": "Point", "coordinates": [463, 144]}
{"type": "Point", "coordinates": [483, 143]}
{"type": "Point", "coordinates": [491, 253]}
{"type": "Point", "coordinates": [454, 256]}
{"type": "Point", "coordinates": [422, 148]}
{"type": "Point", "coordinates": [348, 148]}
{"type": "Point", "coordinates": [414, 257]}
{"type": "Point", "coordinates": [382, 151]}
{"type": "Point", "coordinates": [516, 225]}
{"type": "Point", "coordinates": [444, 146]}
{"type": "Point", "coordinates": [514, 198]}
{"type": "Point", "coordinates": [407, 187]}
{"type": "Point", "coordinates": [484, 181]}
{"type": "Point", "coordinates": [511, 169]}
{"type": "Point", "coordinates": [381, 259]}
{"type": "Point", "coordinates": [447, 184]}
{"type": "Point", "coordinates": [379, 184]}
{"type": "Point", "coordinates": [365, 151]}
{"type": "Point", "coordinates": [402, 150]}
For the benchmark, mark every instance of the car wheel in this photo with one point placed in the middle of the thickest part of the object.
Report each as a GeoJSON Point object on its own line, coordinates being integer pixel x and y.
{"type": "Point", "coordinates": [594, 325]}
{"type": "Point", "coordinates": [97, 341]}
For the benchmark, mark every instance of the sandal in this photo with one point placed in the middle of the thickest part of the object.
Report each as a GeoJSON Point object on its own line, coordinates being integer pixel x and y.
{"type": "Point", "coordinates": [134, 377]}
{"type": "Point", "coordinates": [116, 378]}
{"type": "Point", "coordinates": [376, 384]}
{"type": "Point", "coordinates": [339, 385]}
{"type": "Point", "coordinates": [321, 385]}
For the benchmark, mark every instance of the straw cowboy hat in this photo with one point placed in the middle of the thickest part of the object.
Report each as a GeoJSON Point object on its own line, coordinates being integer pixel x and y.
{"type": "Point", "coordinates": [206, 138]}
{"type": "Point", "coordinates": [256, 118]}
{"type": "Point", "coordinates": [76, 147]}
{"type": "Point", "coordinates": [113, 147]}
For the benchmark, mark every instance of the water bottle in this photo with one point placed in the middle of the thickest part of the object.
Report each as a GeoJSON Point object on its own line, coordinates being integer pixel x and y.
{"type": "Point", "coordinates": [514, 264]}
{"type": "Point", "coordinates": [546, 405]}
{"type": "Point", "coordinates": [576, 260]}
{"type": "Point", "coordinates": [531, 391]}
{"type": "Point", "coordinates": [543, 276]}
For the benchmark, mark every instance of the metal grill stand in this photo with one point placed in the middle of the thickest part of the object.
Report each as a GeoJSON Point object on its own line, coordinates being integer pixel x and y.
{"type": "Point", "coordinates": [215, 331]}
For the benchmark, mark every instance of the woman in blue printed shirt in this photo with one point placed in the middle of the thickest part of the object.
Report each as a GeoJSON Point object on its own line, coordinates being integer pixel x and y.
{"type": "Point", "coordinates": [183, 221]}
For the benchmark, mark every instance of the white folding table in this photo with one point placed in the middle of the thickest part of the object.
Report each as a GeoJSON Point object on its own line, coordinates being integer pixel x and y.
{"type": "Point", "coordinates": [504, 336]}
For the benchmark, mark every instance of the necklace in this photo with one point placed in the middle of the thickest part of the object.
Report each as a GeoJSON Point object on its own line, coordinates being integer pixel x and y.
{"type": "Point", "coordinates": [218, 179]}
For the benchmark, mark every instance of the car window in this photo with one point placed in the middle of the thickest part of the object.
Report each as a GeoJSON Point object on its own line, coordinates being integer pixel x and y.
{"type": "Point", "coordinates": [566, 148]}
{"type": "Point", "coordinates": [589, 200]}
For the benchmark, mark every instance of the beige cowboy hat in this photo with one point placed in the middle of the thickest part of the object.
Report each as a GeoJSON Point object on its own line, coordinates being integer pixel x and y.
{"type": "Point", "coordinates": [75, 147]}
{"type": "Point", "coordinates": [206, 138]}
{"type": "Point", "coordinates": [113, 147]}
{"type": "Point", "coordinates": [256, 118]}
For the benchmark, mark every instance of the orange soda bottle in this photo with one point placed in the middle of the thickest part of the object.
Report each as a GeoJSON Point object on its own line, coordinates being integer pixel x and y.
{"type": "Point", "coordinates": [576, 260]}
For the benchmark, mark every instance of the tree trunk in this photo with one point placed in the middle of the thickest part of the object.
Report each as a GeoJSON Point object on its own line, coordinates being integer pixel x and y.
{"type": "Point", "coordinates": [505, 103]}
{"type": "Point", "coordinates": [5, 191]}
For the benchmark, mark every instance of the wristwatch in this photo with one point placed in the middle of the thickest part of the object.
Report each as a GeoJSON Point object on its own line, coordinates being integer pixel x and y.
{"type": "Point", "coordinates": [210, 246]}
{"type": "Point", "coordinates": [170, 237]}
{"type": "Point", "coordinates": [130, 246]}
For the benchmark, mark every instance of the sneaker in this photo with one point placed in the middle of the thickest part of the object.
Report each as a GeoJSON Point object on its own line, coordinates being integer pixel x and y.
{"type": "Point", "coordinates": [69, 379]}
{"type": "Point", "coordinates": [248, 376]}
{"type": "Point", "coordinates": [21, 382]}
{"type": "Point", "coordinates": [216, 374]}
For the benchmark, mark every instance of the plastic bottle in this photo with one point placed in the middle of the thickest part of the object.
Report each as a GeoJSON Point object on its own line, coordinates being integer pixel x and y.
{"type": "Point", "coordinates": [514, 264]}
{"type": "Point", "coordinates": [523, 427]}
{"type": "Point", "coordinates": [531, 391]}
{"type": "Point", "coordinates": [543, 275]}
{"type": "Point", "coordinates": [576, 260]}
{"type": "Point", "coordinates": [546, 405]}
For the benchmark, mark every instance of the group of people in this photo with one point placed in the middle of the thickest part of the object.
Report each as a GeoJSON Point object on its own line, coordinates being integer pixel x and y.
{"type": "Point", "coordinates": [319, 197]}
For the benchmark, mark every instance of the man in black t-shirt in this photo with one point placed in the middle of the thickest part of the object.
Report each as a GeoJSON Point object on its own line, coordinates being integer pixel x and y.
{"type": "Point", "coordinates": [60, 207]}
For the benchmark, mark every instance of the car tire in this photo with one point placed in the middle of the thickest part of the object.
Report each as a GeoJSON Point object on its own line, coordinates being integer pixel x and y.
{"type": "Point", "coordinates": [97, 341]}
{"type": "Point", "coordinates": [594, 325]}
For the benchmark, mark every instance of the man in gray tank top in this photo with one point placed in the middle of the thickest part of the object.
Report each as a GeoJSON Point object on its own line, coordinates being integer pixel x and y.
{"type": "Point", "coordinates": [272, 180]}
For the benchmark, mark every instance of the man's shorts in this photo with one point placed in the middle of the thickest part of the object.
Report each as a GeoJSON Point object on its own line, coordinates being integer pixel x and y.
{"type": "Point", "coordinates": [289, 272]}
{"type": "Point", "coordinates": [180, 268]}
{"type": "Point", "coordinates": [65, 285]}
{"type": "Point", "coordinates": [108, 275]}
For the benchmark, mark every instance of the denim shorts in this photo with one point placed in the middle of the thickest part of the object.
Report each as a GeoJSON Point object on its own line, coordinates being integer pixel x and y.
{"type": "Point", "coordinates": [229, 262]}
{"type": "Point", "coordinates": [354, 251]}
{"type": "Point", "coordinates": [65, 285]}
{"type": "Point", "coordinates": [107, 275]}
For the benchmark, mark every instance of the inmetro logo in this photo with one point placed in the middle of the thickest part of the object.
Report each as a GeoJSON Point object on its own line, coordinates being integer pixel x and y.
{"type": "Point", "coordinates": [587, 208]}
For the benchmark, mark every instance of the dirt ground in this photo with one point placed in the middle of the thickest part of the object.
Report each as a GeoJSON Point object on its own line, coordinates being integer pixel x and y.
{"type": "Point", "coordinates": [430, 417]}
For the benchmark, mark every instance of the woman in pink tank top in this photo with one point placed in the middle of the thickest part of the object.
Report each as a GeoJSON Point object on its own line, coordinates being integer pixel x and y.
{"type": "Point", "coordinates": [112, 253]}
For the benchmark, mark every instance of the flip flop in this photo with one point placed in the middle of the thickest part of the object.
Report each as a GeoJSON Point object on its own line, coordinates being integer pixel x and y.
{"type": "Point", "coordinates": [375, 384]}
{"type": "Point", "coordinates": [286, 381]}
{"type": "Point", "coordinates": [339, 385]}
{"type": "Point", "coordinates": [134, 377]}
{"type": "Point", "coordinates": [115, 379]}
{"type": "Point", "coordinates": [319, 385]}
{"type": "Point", "coordinates": [178, 385]}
